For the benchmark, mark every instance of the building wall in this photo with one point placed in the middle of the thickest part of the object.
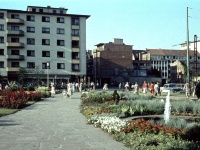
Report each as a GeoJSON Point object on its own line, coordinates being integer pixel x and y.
{"type": "Point", "coordinates": [115, 55]}
{"type": "Point", "coordinates": [53, 48]}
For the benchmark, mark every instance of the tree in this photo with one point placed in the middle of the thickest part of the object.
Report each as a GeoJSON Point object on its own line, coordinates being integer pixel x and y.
{"type": "Point", "coordinates": [22, 75]}
{"type": "Point", "coordinates": [37, 73]}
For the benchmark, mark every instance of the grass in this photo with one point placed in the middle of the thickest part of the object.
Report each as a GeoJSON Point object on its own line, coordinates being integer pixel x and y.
{"type": "Point", "coordinates": [4, 111]}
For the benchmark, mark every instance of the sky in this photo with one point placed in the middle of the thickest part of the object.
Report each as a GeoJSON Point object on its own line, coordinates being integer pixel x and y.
{"type": "Point", "coordinates": [144, 24]}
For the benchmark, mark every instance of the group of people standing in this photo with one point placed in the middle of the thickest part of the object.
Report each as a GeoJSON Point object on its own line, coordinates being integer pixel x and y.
{"type": "Point", "coordinates": [154, 88]}
{"type": "Point", "coordinates": [189, 89]}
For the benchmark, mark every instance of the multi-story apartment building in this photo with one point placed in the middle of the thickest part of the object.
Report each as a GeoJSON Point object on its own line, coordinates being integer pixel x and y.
{"type": "Point", "coordinates": [44, 37]}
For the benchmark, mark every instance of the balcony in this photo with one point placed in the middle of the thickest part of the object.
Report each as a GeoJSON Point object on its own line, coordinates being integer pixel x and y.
{"type": "Point", "coordinates": [75, 27]}
{"type": "Point", "coordinates": [75, 50]}
{"type": "Point", "coordinates": [75, 61]}
{"type": "Point", "coordinates": [14, 44]}
{"type": "Point", "coordinates": [15, 21]}
{"type": "Point", "coordinates": [15, 33]}
{"type": "Point", "coordinates": [12, 69]}
{"type": "Point", "coordinates": [15, 57]}
{"type": "Point", "coordinates": [76, 38]}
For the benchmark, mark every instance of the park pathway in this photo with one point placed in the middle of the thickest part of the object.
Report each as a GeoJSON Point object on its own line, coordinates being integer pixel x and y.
{"type": "Point", "coordinates": [53, 124]}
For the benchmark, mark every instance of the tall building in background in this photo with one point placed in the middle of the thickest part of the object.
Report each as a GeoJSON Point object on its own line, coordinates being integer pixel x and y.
{"type": "Point", "coordinates": [43, 37]}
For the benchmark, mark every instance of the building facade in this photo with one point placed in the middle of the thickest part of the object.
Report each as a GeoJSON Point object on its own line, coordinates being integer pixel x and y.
{"type": "Point", "coordinates": [164, 60]}
{"type": "Point", "coordinates": [112, 62]}
{"type": "Point", "coordinates": [44, 37]}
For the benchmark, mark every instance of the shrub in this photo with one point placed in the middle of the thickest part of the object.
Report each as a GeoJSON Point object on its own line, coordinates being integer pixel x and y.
{"type": "Point", "coordinates": [192, 133]}
{"type": "Point", "coordinates": [30, 88]}
{"type": "Point", "coordinates": [34, 96]}
{"type": "Point", "coordinates": [14, 100]}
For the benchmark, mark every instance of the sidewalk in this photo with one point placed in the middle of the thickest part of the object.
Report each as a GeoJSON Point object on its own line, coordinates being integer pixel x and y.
{"type": "Point", "coordinates": [53, 124]}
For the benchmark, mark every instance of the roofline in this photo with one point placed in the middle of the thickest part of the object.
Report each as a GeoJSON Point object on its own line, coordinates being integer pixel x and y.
{"type": "Point", "coordinates": [44, 13]}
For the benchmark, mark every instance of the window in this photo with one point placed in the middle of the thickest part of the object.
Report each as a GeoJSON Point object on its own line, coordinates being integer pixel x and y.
{"type": "Point", "coordinates": [30, 18]}
{"type": "Point", "coordinates": [60, 43]}
{"type": "Point", "coordinates": [1, 15]}
{"type": "Point", "coordinates": [14, 64]}
{"type": "Point", "coordinates": [75, 21]}
{"type": "Point", "coordinates": [14, 16]}
{"type": "Point", "coordinates": [75, 32]}
{"type": "Point", "coordinates": [31, 53]}
{"type": "Point", "coordinates": [75, 67]}
{"type": "Point", "coordinates": [1, 51]}
{"type": "Point", "coordinates": [54, 11]}
{"type": "Point", "coordinates": [31, 29]}
{"type": "Point", "coordinates": [15, 40]}
{"type": "Point", "coordinates": [44, 66]}
{"type": "Point", "coordinates": [31, 41]}
{"type": "Point", "coordinates": [75, 43]}
{"type": "Point", "coordinates": [1, 64]}
{"type": "Point", "coordinates": [34, 10]}
{"type": "Point", "coordinates": [45, 30]}
{"type": "Point", "coordinates": [45, 53]}
{"type": "Point", "coordinates": [60, 66]}
{"type": "Point", "coordinates": [1, 39]}
{"type": "Point", "coordinates": [60, 54]}
{"type": "Point", "coordinates": [61, 12]}
{"type": "Point", "coordinates": [1, 27]}
{"type": "Point", "coordinates": [14, 52]}
{"type": "Point", "coordinates": [60, 20]}
{"type": "Point", "coordinates": [41, 10]}
{"type": "Point", "coordinates": [75, 55]}
{"type": "Point", "coordinates": [45, 19]}
{"type": "Point", "coordinates": [30, 65]}
{"type": "Point", "coordinates": [45, 41]}
{"type": "Point", "coordinates": [15, 28]}
{"type": "Point", "coordinates": [60, 31]}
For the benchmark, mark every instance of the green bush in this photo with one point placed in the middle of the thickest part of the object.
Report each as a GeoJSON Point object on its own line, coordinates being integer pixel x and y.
{"type": "Point", "coordinates": [192, 133]}
{"type": "Point", "coordinates": [30, 88]}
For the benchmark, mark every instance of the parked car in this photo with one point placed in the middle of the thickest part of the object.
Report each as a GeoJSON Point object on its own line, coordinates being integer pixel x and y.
{"type": "Point", "coordinates": [172, 87]}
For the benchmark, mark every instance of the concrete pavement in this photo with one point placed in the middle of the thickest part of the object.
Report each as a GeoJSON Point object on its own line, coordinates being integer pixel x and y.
{"type": "Point", "coordinates": [53, 124]}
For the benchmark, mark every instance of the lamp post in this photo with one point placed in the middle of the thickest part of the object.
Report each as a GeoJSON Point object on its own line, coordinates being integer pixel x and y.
{"type": "Point", "coordinates": [48, 74]}
{"type": "Point", "coordinates": [188, 60]}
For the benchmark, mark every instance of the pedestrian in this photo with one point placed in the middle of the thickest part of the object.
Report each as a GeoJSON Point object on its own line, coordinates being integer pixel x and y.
{"type": "Point", "coordinates": [105, 87]}
{"type": "Point", "coordinates": [116, 97]}
{"type": "Point", "coordinates": [70, 89]}
{"type": "Point", "coordinates": [81, 87]}
{"type": "Point", "coordinates": [187, 89]}
{"type": "Point", "coordinates": [127, 86]}
{"type": "Point", "coordinates": [136, 88]}
{"type": "Point", "coordinates": [64, 92]}
{"type": "Point", "coordinates": [144, 87]}
{"type": "Point", "coordinates": [53, 92]}
{"type": "Point", "coordinates": [156, 89]}
{"type": "Point", "coordinates": [120, 86]}
{"type": "Point", "coordinates": [152, 88]}
{"type": "Point", "coordinates": [197, 89]}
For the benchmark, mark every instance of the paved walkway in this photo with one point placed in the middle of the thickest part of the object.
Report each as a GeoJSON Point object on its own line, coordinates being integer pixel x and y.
{"type": "Point", "coordinates": [53, 124]}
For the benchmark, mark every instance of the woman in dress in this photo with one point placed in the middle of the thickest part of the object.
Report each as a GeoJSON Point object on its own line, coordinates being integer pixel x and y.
{"type": "Point", "coordinates": [53, 92]}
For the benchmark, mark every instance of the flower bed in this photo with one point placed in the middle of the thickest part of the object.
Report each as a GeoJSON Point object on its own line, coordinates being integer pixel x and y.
{"type": "Point", "coordinates": [140, 133]}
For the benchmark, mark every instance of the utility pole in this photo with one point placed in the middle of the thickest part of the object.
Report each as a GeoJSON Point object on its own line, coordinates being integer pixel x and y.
{"type": "Point", "coordinates": [188, 61]}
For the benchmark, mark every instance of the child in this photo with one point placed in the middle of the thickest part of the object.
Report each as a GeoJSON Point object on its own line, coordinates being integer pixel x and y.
{"type": "Point", "coordinates": [64, 92]}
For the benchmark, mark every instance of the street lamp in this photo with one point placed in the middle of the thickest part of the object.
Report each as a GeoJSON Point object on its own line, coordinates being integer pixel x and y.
{"type": "Point", "coordinates": [48, 74]}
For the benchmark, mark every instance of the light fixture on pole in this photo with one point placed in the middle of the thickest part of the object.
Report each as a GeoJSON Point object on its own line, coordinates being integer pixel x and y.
{"type": "Point", "coordinates": [188, 60]}
{"type": "Point", "coordinates": [47, 74]}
